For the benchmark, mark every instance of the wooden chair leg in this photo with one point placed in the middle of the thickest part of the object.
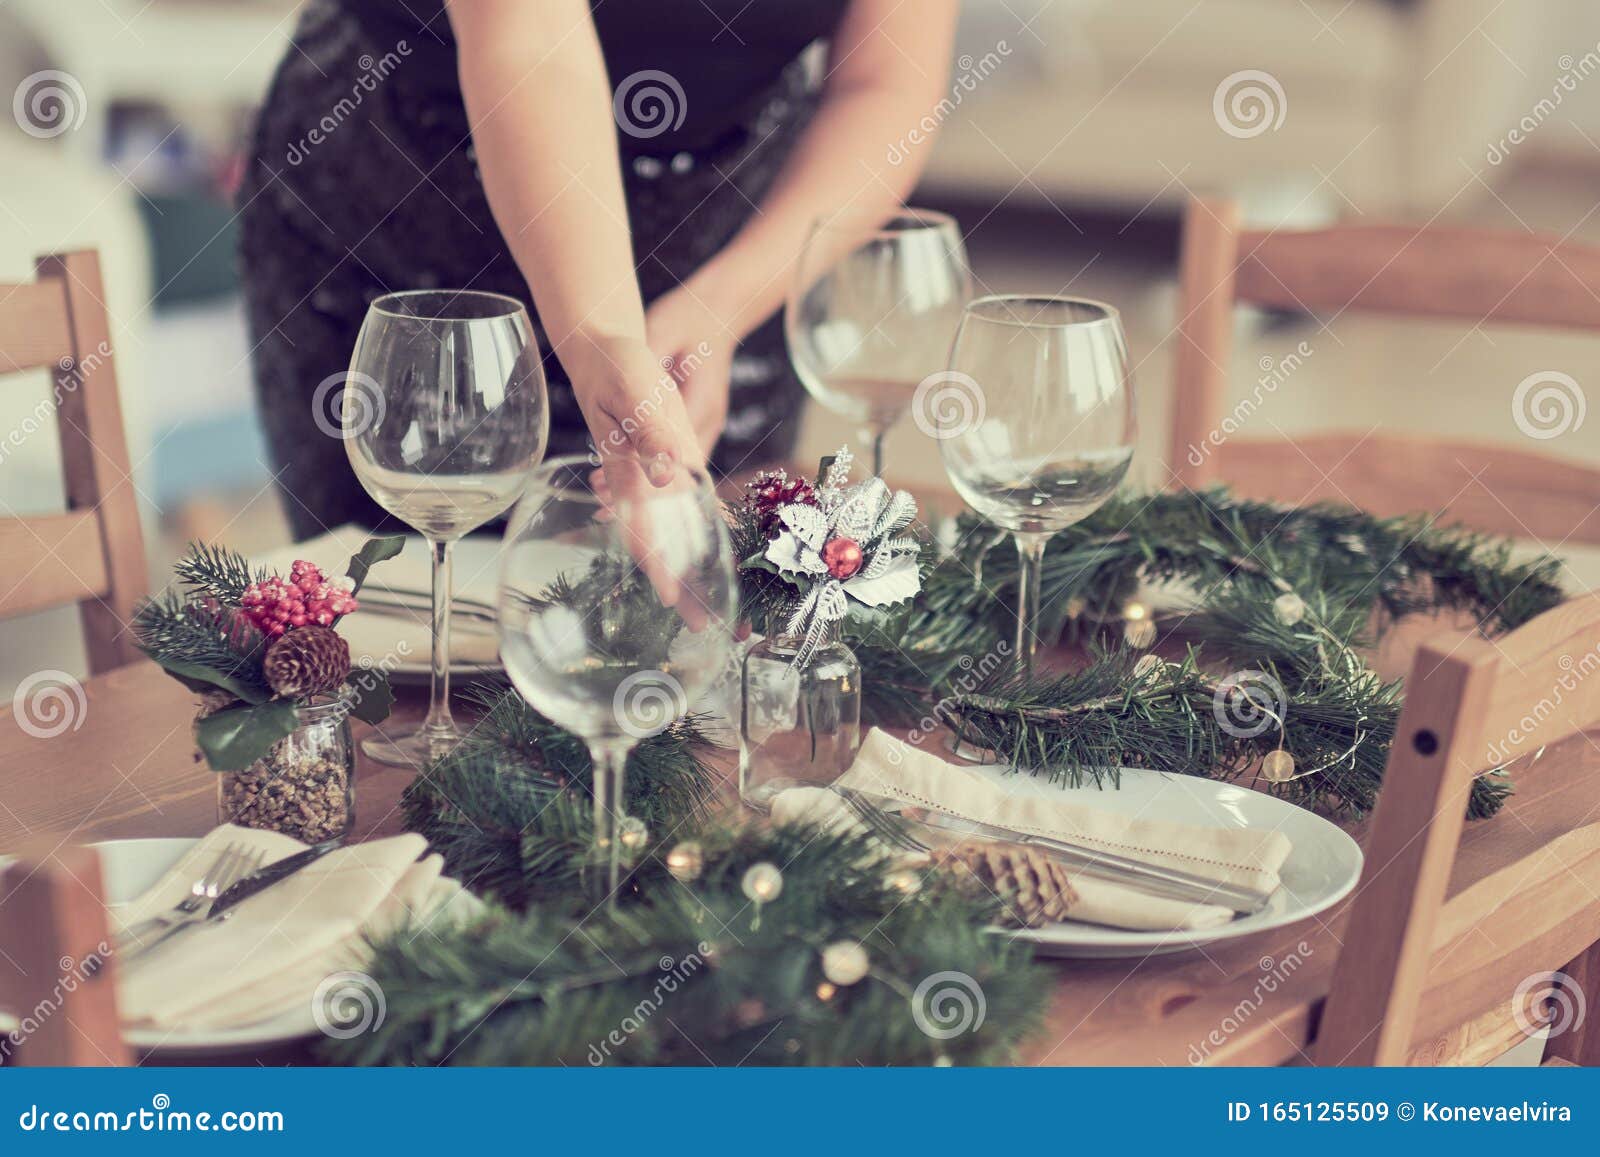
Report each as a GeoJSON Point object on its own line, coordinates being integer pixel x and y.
{"type": "Point", "coordinates": [57, 970]}
{"type": "Point", "coordinates": [1578, 1043]}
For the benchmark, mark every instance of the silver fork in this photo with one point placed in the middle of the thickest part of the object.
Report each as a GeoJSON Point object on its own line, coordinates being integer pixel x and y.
{"type": "Point", "coordinates": [1171, 883]}
{"type": "Point", "coordinates": [231, 864]}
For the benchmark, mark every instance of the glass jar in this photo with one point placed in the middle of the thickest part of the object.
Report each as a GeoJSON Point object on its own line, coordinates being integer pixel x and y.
{"type": "Point", "coordinates": [798, 726]}
{"type": "Point", "coordinates": [305, 785]}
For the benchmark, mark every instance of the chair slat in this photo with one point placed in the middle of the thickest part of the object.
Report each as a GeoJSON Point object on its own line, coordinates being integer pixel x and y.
{"type": "Point", "coordinates": [1470, 275]}
{"type": "Point", "coordinates": [50, 560]}
{"type": "Point", "coordinates": [35, 327]}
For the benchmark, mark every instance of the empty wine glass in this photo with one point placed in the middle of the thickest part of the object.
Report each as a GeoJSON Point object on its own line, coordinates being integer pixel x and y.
{"type": "Point", "coordinates": [872, 312]}
{"type": "Point", "coordinates": [1046, 429]}
{"type": "Point", "coordinates": [617, 608]}
{"type": "Point", "coordinates": [444, 414]}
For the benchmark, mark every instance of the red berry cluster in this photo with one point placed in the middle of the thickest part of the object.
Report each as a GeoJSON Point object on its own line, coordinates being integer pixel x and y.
{"type": "Point", "coordinates": [771, 490]}
{"type": "Point", "coordinates": [276, 605]}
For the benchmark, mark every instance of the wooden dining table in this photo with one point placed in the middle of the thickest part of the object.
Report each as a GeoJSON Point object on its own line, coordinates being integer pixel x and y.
{"type": "Point", "coordinates": [127, 768]}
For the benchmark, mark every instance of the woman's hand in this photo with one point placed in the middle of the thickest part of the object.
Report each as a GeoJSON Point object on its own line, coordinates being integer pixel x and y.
{"type": "Point", "coordinates": [631, 405]}
{"type": "Point", "coordinates": [697, 348]}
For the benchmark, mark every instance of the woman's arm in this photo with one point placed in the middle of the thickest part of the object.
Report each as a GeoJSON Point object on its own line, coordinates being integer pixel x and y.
{"type": "Point", "coordinates": [539, 103]}
{"type": "Point", "coordinates": [888, 68]}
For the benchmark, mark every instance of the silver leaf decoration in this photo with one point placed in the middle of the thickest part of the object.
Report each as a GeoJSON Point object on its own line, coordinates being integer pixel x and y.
{"type": "Point", "coordinates": [900, 580]}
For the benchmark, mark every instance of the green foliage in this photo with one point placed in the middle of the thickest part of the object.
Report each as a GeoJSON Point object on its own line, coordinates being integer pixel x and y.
{"type": "Point", "coordinates": [372, 552]}
{"type": "Point", "coordinates": [695, 973]}
{"type": "Point", "coordinates": [202, 645]}
{"type": "Point", "coordinates": [235, 737]}
{"type": "Point", "coordinates": [216, 571]}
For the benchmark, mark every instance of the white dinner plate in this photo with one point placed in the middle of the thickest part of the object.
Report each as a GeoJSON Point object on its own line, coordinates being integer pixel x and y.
{"type": "Point", "coordinates": [129, 867]}
{"type": "Point", "coordinates": [1323, 867]}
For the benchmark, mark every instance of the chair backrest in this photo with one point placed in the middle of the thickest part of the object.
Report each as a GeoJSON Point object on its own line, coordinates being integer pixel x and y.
{"type": "Point", "coordinates": [57, 964]}
{"type": "Point", "coordinates": [93, 553]}
{"type": "Point", "coordinates": [1472, 704]}
{"type": "Point", "coordinates": [1478, 277]}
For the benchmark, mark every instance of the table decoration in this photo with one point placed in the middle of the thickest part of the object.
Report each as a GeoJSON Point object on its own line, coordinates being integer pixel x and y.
{"type": "Point", "coordinates": [510, 809]}
{"type": "Point", "coordinates": [811, 557]}
{"type": "Point", "coordinates": [276, 685]}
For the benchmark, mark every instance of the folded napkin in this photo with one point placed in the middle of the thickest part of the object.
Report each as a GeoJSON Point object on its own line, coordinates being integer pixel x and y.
{"type": "Point", "coordinates": [379, 634]}
{"type": "Point", "coordinates": [270, 955]}
{"type": "Point", "coordinates": [890, 768]}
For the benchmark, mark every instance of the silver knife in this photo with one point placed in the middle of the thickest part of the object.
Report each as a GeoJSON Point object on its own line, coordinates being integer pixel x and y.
{"type": "Point", "coordinates": [264, 878]}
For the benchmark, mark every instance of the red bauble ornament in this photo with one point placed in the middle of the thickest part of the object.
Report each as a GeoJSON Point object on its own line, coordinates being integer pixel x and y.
{"type": "Point", "coordinates": [843, 556]}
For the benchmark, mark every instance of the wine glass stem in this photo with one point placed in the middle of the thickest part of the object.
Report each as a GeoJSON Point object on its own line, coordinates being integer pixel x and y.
{"type": "Point", "coordinates": [610, 764]}
{"type": "Point", "coordinates": [1030, 557]}
{"type": "Point", "coordinates": [439, 724]}
{"type": "Point", "coordinates": [874, 436]}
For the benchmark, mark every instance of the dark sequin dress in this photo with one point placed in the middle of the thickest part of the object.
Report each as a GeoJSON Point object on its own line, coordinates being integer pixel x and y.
{"type": "Point", "coordinates": [363, 181]}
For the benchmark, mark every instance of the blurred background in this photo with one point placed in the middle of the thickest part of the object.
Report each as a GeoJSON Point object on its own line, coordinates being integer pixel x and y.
{"type": "Point", "coordinates": [1075, 131]}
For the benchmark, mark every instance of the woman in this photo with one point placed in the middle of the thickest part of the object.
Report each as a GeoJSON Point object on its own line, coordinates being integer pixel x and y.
{"type": "Point", "coordinates": [409, 144]}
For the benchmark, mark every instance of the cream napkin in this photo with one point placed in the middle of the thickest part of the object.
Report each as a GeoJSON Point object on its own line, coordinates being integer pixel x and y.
{"type": "Point", "coordinates": [269, 957]}
{"type": "Point", "coordinates": [380, 635]}
{"type": "Point", "coordinates": [891, 768]}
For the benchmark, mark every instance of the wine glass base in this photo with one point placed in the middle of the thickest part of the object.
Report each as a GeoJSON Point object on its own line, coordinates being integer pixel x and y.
{"type": "Point", "coordinates": [416, 748]}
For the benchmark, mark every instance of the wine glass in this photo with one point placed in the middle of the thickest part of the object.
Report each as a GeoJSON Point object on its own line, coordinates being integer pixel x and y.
{"type": "Point", "coordinates": [444, 414]}
{"type": "Point", "coordinates": [617, 608]}
{"type": "Point", "coordinates": [1046, 429]}
{"type": "Point", "coordinates": [872, 312]}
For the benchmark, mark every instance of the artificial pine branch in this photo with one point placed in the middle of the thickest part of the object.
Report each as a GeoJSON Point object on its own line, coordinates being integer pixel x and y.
{"type": "Point", "coordinates": [203, 644]}
{"type": "Point", "coordinates": [509, 807]}
{"type": "Point", "coordinates": [217, 571]}
{"type": "Point", "coordinates": [695, 973]}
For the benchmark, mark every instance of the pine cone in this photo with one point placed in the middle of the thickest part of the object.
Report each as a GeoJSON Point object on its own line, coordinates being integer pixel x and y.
{"type": "Point", "coordinates": [306, 661]}
{"type": "Point", "coordinates": [1033, 889]}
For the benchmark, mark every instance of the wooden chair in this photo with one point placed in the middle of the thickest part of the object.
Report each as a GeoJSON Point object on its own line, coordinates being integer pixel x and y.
{"type": "Point", "coordinates": [1438, 272]}
{"type": "Point", "coordinates": [1414, 964]}
{"type": "Point", "coordinates": [93, 553]}
{"type": "Point", "coordinates": [57, 973]}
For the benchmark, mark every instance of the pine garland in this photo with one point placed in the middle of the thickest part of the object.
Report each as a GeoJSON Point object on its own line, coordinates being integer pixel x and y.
{"type": "Point", "coordinates": [544, 979]}
{"type": "Point", "coordinates": [699, 974]}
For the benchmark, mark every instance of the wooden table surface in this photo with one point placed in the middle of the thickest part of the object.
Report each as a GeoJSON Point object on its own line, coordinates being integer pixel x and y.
{"type": "Point", "coordinates": [128, 769]}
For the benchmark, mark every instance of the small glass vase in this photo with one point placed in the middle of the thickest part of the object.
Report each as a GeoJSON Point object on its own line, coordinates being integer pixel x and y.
{"type": "Point", "coordinates": [304, 786]}
{"type": "Point", "coordinates": [798, 727]}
